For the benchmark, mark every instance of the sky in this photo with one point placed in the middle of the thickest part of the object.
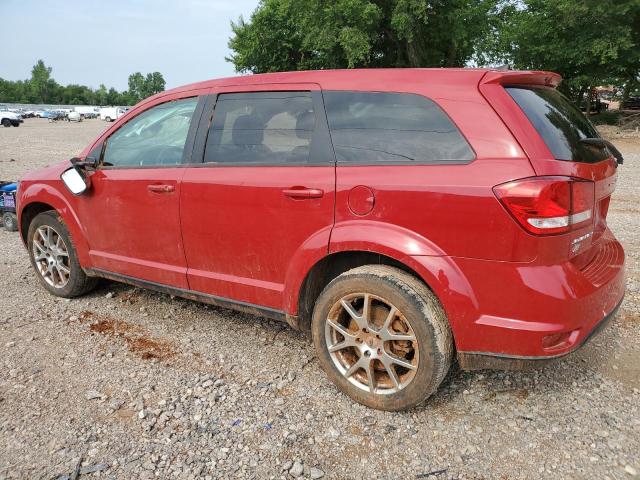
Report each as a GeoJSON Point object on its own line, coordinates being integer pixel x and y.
{"type": "Point", "coordinates": [89, 42]}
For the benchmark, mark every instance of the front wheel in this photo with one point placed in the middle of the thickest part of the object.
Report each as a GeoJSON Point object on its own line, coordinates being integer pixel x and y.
{"type": "Point", "coordinates": [382, 337]}
{"type": "Point", "coordinates": [54, 258]}
{"type": "Point", "coordinates": [6, 122]}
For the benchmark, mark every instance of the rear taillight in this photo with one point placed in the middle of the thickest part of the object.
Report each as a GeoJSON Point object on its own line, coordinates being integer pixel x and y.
{"type": "Point", "coordinates": [548, 205]}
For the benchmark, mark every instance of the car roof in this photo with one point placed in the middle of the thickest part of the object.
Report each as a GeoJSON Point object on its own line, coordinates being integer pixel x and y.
{"type": "Point", "coordinates": [452, 81]}
{"type": "Point", "coordinates": [348, 78]}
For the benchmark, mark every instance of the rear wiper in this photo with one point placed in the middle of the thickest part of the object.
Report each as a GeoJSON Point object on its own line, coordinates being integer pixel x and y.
{"type": "Point", "coordinates": [602, 143]}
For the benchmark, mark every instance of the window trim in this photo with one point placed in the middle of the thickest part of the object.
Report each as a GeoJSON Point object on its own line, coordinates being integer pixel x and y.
{"type": "Point", "coordinates": [320, 139]}
{"type": "Point", "coordinates": [188, 145]}
{"type": "Point", "coordinates": [364, 163]}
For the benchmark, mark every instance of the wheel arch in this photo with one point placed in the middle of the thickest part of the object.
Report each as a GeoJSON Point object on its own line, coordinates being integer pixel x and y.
{"type": "Point", "coordinates": [38, 198]}
{"type": "Point", "coordinates": [334, 264]}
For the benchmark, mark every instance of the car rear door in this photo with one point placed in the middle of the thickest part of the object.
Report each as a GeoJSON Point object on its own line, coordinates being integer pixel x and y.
{"type": "Point", "coordinates": [131, 215]}
{"type": "Point", "coordinates": [263, 194]}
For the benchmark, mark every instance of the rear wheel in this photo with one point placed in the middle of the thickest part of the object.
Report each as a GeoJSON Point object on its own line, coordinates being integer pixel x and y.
{"type": "Point", "coordinates": [382, 337]}
{"type": "Point", "coordinates": [10, 221]}
{"type": "Point", "coordinates": [108, 119]}
{"type": "Point", "coordinates": [54, 258]}
{"type": "Point", "coordinates": [6, 122]}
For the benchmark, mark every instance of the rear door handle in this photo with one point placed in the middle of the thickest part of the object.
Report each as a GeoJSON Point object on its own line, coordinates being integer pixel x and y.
{"type": "Point", "coordinates": [302, 193]}
{"type": "Point", "coordinates": [163, 188]}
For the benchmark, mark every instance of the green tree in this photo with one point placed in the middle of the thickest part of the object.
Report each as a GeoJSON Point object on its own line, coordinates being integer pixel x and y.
{"type": "Point", "coordinates": [41, 84]}
{"type": "Point", "coordinates": [137, 86]}
{"type": "Point", "coordinates": [154, 83]}
{"type": "Point", "coordinates": [42, 88]}
{"type": "Point", "coordinates": [317, 34]}
{"type": "Point", "coordinates": [141, 86]}
{"type": "Point", "coordinates": [589, 42]}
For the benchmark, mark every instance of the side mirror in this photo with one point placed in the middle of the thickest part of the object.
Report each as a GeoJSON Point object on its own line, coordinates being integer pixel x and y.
{"type": "Point", "coordinates": [75, 180]}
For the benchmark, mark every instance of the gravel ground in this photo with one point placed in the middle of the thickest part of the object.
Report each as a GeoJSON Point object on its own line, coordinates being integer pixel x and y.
{"type": "Point", "coordinates": [127, 383]}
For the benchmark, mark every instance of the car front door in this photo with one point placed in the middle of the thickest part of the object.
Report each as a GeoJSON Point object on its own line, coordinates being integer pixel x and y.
{"type": "Point", "coordinates": [131, 214]}
{"type": "Point", "coordinates": [263, 194]}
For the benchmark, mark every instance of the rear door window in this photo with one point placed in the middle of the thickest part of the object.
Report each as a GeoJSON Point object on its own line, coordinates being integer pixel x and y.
{"type": "Point", "coordinates": [392, 128]}
{"type": "Point", "coordinates": [560, 124]}
{"type": "Point", "coordinates": [263, 128]}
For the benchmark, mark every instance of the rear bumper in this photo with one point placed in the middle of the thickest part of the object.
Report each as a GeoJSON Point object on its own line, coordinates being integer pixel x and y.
{"type": "Point", "coordinates": [527, 311]}
{"type": "Point", "coordinates": [489, 361]}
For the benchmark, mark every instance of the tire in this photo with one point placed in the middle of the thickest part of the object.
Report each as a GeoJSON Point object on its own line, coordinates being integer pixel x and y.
{"type": "Point", "coordinates": [420, 320]}
{"type": "Point", "coordinates": [77, 283]}
{"type": "Point", "coordinates": [10, 221]}
{"type": "Point", "coordinates": [107, 119]}
{"type": "Point", "coordinates": [6, 122]}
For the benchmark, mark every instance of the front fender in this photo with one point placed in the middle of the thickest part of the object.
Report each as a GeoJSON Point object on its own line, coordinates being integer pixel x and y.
{"type": "Point", "coordinates": [50, 195]}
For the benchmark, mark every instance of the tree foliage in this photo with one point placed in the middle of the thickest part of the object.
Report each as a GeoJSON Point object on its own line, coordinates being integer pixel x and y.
{"type": "Point", "coordinates": [42, 88]}
{"type": "Point", "coordinates": [318, 34]}
{"type": "Point", "coordinates": [589, 42]}
{"type": "Point", "coordinates": [141, 86]}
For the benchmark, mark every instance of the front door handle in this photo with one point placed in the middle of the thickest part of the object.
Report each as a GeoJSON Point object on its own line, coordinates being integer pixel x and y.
{"type": "Point", "coordinates": [302, 193]}
{"type": "Point", "coordinates": [163, 188]}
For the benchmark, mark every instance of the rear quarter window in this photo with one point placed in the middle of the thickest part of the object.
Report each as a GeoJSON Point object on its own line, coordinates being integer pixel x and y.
{"type": "Point", "coordinates": [560, 124]}
{"type": "Point", "coordinates": [392, 128]}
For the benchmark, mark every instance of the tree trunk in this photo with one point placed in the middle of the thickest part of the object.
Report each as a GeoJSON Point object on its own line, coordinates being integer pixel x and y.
{"type": "Point", "coordinates": [581, 93]}
{"type": "Point", "coordinates": [626, 92]}
{"type": "Point", "coordinates": [589, 98]}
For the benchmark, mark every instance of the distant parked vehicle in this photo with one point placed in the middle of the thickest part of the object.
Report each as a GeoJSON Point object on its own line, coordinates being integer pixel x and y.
{"type": "Point", "coordinates": [87, 112]}
{"type": "Point", "coordinates": [56, 115]}
{"type": "Point", "coordinates": [8, 205]}
{"type": "Point", "coordinates": [111, 114]}
{"type": "Point", "coordinates": [28, 114]}
{"type": "Point", "coordinates": [39, 113]}
{"type": "Point", "coordinates": [9, 118]}
{"type": "Point", "coordinates": [632, 103]}
{"type": "Point", "coordinates": [74, 117]}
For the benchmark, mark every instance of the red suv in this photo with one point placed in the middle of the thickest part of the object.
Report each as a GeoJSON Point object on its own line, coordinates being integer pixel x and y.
{"type": "Point", "coordinates": [403, 217]}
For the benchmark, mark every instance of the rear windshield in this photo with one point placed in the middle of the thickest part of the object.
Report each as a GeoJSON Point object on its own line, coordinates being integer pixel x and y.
{"type": "Point", "coordinates": [560, 124]}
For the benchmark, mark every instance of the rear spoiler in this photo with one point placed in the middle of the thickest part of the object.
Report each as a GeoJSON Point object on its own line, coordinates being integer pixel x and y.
{"type": "Point", "coordinates": [519, 77]}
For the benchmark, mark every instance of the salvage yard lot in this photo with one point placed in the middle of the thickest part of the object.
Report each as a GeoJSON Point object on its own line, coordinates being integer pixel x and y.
{"type": "Point", "coordinates": [136, 384]}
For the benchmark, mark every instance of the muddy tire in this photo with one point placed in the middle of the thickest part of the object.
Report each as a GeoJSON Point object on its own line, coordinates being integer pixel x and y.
{"type": "Point", "coordinates": [382, 337]}
{"type": "Point", "coordinates": [53, 257]}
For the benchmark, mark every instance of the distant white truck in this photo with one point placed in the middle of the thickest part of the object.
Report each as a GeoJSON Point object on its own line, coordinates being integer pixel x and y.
{"type": "Point", "coordinates": [111, 114]}
{"type": "Point", "coordinates": [8, 118]}
{"type": "Point", "coordinates": [87, 112]}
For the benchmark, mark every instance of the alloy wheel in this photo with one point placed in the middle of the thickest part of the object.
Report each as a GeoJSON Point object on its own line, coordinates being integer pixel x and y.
{"type": "Point", "coordinates": [51, 256]}
{"type": "Point", "coordinates": [372, 343]}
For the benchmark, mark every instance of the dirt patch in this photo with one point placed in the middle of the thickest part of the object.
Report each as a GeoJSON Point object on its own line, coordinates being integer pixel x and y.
{"type": "Point", "coordinates": [630, 318]}
{"type": "Point", "coordinates": [148, 348]}
{"type": "Point", "coordinates": [112, 326]}
{"type": "Point", "coordinates": [519, 393]}
{"type": "Point", "coordinates": [136, 338]}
